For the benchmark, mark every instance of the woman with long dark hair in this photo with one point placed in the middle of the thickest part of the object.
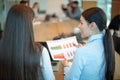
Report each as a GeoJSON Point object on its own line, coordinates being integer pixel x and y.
{"type": "Point", "coordinates": [20, 57]}
{"type": "Point", "coordinates": [95, 60]}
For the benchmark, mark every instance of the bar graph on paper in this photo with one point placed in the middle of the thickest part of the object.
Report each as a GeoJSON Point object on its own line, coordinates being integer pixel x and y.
{"type": "Point", "coordinates": [63, 48]}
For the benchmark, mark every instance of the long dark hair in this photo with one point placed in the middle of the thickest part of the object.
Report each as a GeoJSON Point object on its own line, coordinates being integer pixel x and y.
{"type": "Point", "coordinates": [19, 55]}
{"type": "Point", "coordinates": [115, 23]}
{"type": "Point", "coordinates": [98, 16]}
{"type": "Point", "coordinates": [115, 26]}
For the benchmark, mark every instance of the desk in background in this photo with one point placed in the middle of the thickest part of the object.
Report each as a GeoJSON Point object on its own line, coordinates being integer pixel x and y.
{"type": "Point", "coordinates": [47, 31]}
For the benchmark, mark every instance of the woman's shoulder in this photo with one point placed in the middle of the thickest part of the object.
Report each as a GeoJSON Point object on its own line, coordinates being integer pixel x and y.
{"type": "Point", "coordinates": [84, 51]}
{"type": "Point", "coordinates": [81, 50]}
{"type": "Point", "coordinates": [38, 47]}
{"type": "Point", "coordinates": [84, 48]}
{"type": "Point", "coordinates": [41, 48]}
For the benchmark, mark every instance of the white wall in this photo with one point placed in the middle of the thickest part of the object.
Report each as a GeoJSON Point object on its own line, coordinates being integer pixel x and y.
{"type": "Point", "coordinates": [54, 6]}
{"type": "Point", "coordinates": [50, 6]}
{"type": "Point", "coordinates": [42, 3]}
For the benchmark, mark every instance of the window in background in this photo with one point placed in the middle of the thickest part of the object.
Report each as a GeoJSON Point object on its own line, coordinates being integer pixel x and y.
{"type": "Point", "coordinates": [5, 5]}
{"type": "Point", "coordinates": [106, 6]}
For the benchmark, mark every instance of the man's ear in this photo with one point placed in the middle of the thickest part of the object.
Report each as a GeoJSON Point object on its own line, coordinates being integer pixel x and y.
{"type": "Point", "coordinates": [93, 25]}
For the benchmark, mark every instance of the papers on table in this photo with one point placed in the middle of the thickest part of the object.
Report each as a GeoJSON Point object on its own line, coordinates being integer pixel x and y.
{"type": "Point", "coordinates": [63, 48]}
{"type": "Point", "coordinates": [37, 23]}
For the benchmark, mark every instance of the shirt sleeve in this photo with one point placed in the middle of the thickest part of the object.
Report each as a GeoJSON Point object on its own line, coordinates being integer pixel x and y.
{"type": "Point", "coordinates": [76, 68]}
{"type": "Point", "coordinates": [45, 64]}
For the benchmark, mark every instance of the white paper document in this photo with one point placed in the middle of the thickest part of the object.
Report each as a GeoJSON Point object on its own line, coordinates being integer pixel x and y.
{"type": "Point", "coordinates": [63, 48]}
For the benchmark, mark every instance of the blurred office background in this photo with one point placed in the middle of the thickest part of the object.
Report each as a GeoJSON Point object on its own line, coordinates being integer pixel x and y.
{"type": "Point", "coordinates": [111, 7]}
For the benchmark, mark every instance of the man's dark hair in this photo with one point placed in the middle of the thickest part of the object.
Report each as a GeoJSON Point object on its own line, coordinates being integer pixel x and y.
{"type": "Point", "coordinates": [75, 2]}
{"type": "Point", "coordinates": [23, 2]}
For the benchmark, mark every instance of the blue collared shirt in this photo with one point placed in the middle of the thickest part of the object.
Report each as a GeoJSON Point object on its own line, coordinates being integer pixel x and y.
{"type": "Point", "coordinates": [89, 61]}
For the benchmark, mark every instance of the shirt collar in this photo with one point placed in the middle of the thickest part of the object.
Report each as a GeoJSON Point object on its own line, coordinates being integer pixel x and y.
{"type": "Point", "coordinates": [95, 37]}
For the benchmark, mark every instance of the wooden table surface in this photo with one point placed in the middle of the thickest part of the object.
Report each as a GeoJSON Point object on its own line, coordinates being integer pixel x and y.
{"type": "Point", "coordinates": [47, 31]}
{"type": "Point", "coordinates": [59, 75]}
